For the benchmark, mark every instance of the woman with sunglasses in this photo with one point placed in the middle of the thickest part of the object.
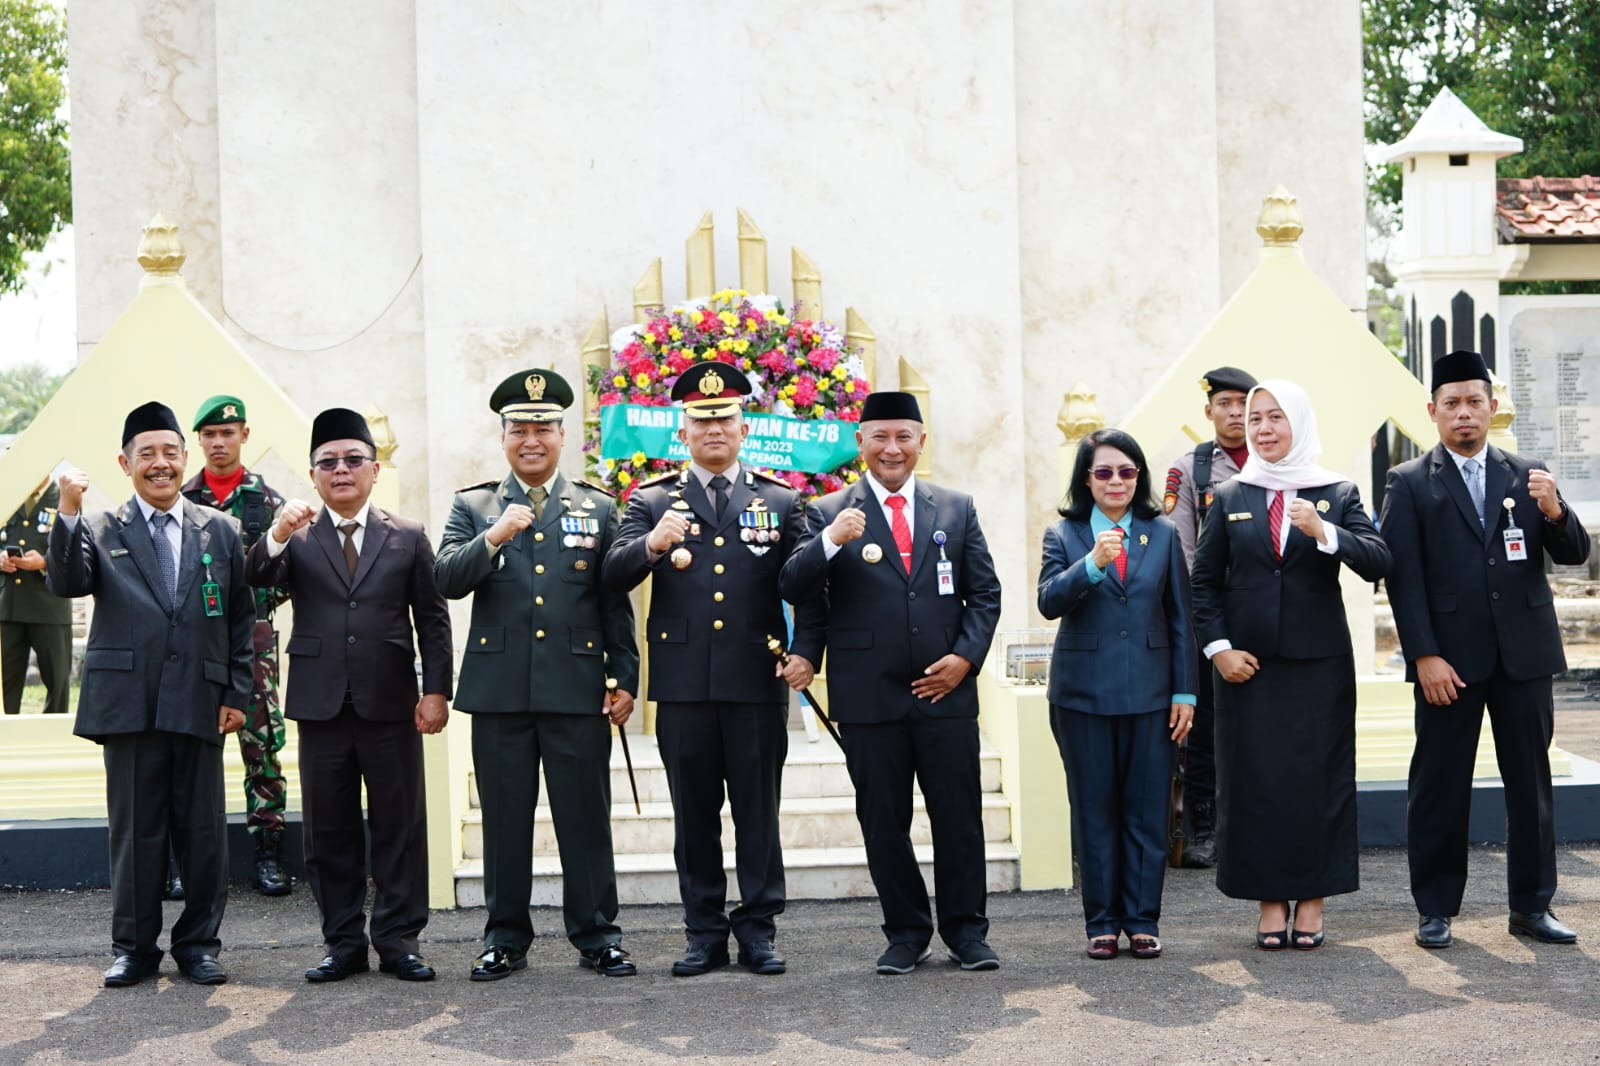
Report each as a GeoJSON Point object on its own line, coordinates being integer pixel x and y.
{"type": "Point", "coordinates": [1269, 615]}
{"type": "Point", "coordinates": [1122, 679]}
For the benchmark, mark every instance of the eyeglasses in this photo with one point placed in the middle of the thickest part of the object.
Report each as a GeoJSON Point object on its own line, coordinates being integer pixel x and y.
{"type": "Point", "coordinates": [1105, 473]}
{"type": "Point", "coordinates": [352, 462]}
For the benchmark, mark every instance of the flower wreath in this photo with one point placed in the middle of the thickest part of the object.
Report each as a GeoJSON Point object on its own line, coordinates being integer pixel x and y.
{"type": "Point", "coordinates": [803, 369]}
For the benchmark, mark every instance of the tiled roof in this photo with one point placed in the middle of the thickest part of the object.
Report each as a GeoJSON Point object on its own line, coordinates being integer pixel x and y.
{"type": "Point", "coordinates": [1547, 209]}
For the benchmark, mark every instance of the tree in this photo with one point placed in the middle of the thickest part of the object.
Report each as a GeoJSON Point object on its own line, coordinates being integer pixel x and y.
{"type": "Point", "coordinates": [35, 167]}
{"type": "Point", "coordinates": [24, 390]}
{"type": "Point", "coordinates": [1528, 68]}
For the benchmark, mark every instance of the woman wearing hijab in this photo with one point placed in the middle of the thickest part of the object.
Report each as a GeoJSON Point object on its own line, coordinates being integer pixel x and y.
{"type": "Point", "coordinates": [1122, 679]}
{"type": "Point", "coordinates": [1269, 616]}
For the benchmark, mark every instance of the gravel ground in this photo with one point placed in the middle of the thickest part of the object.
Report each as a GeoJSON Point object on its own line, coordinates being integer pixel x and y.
{"type": "Point", "coordinates": [1370, 995]}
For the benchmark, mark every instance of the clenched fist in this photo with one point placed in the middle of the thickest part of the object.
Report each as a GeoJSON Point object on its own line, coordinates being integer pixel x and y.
{"type": "Point", "coordinates": [1304, 517]}
{"type": "Point", "coordinates": [295, 515]}
{"type": "Point", "coordinates": [73, 483]}
{"type": "Point", "coordinates": [1541, 486]}
{"type": "Point", "coordinates": [1106, 547]}
{"type": "Point", "coordinates": [512, 521]}
{"type": "Point", "coordinates": [669, 531]}
{"type": "Point", "coordinates": [850, 524]}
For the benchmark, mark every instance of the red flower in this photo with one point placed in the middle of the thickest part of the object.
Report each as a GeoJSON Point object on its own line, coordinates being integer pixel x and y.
{"type": "Point", "coordinates": [850, 414]}
{"type": "Point", "coordinates": [609, 398]}
{"type": "Point", "coordinates": [678, 362]}
{"type": "Point", "coordinates": [797, 480]}
{"type": "Point", "coordinates": [823, 359]}
{"type": "Point", "coordinates": [633, 350]}
{"type": "Point", "coordinates": [805, 391]}
{"type": "Point", "coordinates": [727, 357]}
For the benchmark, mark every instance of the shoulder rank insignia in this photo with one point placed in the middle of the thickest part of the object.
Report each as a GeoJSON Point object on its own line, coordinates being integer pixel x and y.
{"type": "Point", "coordinates": [596, 488]}
{"type": "Point", "coordinates": [484, 485]}
{"type": "Point", "coordinates": [1169, 499]}
{"type": "Point", "coordinates": [658, 479]}
{"type": "Point", "coordinates": [764, 476]}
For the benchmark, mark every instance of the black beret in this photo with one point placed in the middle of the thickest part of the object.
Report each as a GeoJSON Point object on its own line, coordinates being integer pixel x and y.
{"type": "Point", "coordinates": [712, 389]}
{"type": "Point", "coordinates": [882, 406]}
{"type": "Point", "coordinates": [339, 423]}
{"type": "Point", "coordinates": [1226, 379]}
{"type": "Point", "coordinates": [532, 396]}
{"type": "Point", "coordinates": [1459, 366]}
{"type": "Point", "coordinates": [146, 417]}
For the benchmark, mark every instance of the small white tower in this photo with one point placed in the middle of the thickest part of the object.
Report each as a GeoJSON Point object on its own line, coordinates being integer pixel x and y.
{"type": "Point", "coordinates": [1449, 266]}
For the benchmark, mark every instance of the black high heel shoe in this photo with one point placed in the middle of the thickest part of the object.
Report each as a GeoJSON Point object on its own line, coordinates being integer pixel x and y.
{"type": "Point", "coordinates": [1280, 935]}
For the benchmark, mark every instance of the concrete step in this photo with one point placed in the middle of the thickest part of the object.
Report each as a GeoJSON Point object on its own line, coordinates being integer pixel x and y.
{"type": "Point", "coordinates": [811, 770]}
{"type": "Point", "coordinates": [810, 873]}
{"type": "Point", "coordinates": [804, 822]}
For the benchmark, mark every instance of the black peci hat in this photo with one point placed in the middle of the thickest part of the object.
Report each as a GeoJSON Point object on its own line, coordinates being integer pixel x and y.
{"type": "Point", "coordinates": [882, 406]}
{"type": "Point", "coordinates": [147, 417]}
{"type": "Point", "coordinates": [339, 423]}
{"type": "Point", "coordinates": [1459, 366]}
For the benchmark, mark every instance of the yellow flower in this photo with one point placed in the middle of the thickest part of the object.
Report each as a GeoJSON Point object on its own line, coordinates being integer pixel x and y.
{"type": "Point", "coordinates": [741, 346]}
{"type": "Point", "coordinates": [620, 381]}
{"type": "Point", "coordinates": [624, 478]}
{"type": "Point", "coordinates": [817, 410]}
{"type": "Point", "coordinates": [839, 372]}
{"type": "Point", "coordinates": [722, 295]}
{"type": "Point", "coordinates": [611, 464]}
{"type": "Point", "coordinates": [729, 319]}
{"type": "Point", "coordinates": [641, 380]}
{"type": "Point", "coordinates": [850, 386]}
{"type": "Point", "coordinates": [675, 333]}
{"type": "Point", "coordinates": [725, 344]}
{"type": "Point", "coordinates": [799, 360]}
{"type": "Point", "coordinates": [852, 477]}
{"type": "Point", "coordinates": [782, 320]}
{"type": "Point", "coordinates": [638, 458]}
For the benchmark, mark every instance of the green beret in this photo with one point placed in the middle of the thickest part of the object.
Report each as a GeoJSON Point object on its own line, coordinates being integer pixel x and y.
{"type": "Point", "coordinates": [532, 396]}
{"type": "Point", "coordinates": [219, 410]}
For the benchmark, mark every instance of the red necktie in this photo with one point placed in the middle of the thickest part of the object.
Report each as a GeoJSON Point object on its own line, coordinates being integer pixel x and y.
{"type": "Point", "coordinates": [1121, 560]}
{"type": "Point", "coordinates": [901, 530]}
{"type": "Point", "coordinates": [1275, 524]}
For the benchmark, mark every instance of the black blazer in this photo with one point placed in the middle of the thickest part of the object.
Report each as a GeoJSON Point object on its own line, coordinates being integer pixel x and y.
{"type": "Point", "coordinates": [1452, 589]}
{"type": "Point", "coordinates": [886, 627]}
{"type": "Point", "coordinates": [1289, 608]}
{"type": "Point", "coordinates": [1124, 646]}
{"type": "Point", "coordinates": [355, 634]}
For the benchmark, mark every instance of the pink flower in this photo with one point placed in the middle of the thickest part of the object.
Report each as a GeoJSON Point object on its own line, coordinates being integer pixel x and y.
{"type": "Point", "coordinates": [823, 359]}
{"type": "Point", "coordinates": [797, 480]}
{"type": "Point", "coordinates": [805, 391]}
{"type": "Point", "coordinates": [609, 398]}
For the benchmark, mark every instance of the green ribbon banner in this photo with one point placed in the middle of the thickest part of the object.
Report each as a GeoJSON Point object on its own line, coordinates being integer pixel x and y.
{"type": "Point", "coordinates": [777, 442]}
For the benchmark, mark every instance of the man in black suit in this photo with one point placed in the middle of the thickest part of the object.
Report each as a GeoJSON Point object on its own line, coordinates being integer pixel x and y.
{"type": "Point", "coordinates": [712, 539]}
{"type": "Point", "coordinates": [912, 601]}
{"type": "Point", "coordinates": [544, 640]}
{"type": "Point", "coordinates": [167, 673]}
{"type": "Point", "coordinates": [359, 578]}
{"type": "Point", "coordinates": [1469, 526]}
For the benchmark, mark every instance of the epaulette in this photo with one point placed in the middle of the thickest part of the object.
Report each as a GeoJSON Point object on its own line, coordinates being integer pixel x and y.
{"type": "Point", "coordinates": [775, 479]}
{"type": "Point", "coordinates": [484, 485]}
{"type": "Point", "coordinates": [591, 485]}
{"type": "Point", "coordinates": [1174, 482]}
{"type": "Point", "coordinates": [670, 475]}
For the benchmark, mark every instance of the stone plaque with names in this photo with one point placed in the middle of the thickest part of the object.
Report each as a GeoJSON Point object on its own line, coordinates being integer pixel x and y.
{"type": "Point", "coordinates": [1554, 376]}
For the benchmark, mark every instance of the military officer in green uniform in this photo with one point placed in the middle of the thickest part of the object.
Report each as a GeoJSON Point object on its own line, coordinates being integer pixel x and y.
{"type": "Point", "coordinates": [32, 618]}
{"type": "Point", "coordinates": [544, 640]}
{"type": "Point", "coordinates": [224, 484]}
{"type": "Point", "coordinates": [712, 540]}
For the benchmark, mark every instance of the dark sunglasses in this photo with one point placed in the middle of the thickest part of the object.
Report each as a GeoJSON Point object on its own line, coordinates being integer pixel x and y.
{"type": "Point", "coordinates": [1126, 473]}
{"type": "Point", "coordinates": [353, 462]}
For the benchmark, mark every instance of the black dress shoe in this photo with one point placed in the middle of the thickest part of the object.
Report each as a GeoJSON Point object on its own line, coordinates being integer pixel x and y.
{"type": "Point", "coordinates": [758, 956]}
{"type": "Point", "coordinates": [1542, 926]}
{"type": "Point", "coordinates": [174, 887]}
{"type": "Point", "coordinates": [1433, 931]}
{"type": "Point", "coordinates": [497, 962]}
{"type": "Point", "coordinates": [609, 961]}
{"type": "Point", "coordinates": [975, 955]}
{"type": "Point", "coordinates": [902, 958]}
{"type": "Point", "coordinates": [700, 958]}
{"type": "Point", "coordinates": [333, 968]}
{"type": "Point", "coordinates": [269, 877]}
{"type": "Point", "coordinates": [129, 970]}
{"type": "Point", "coordinates": [203, 970]}
{"type": "Point", "coordinates": [408, 968]}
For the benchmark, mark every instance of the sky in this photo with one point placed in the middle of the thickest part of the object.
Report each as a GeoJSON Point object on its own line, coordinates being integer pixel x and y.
{"type": "Point", "coordinates": [39, 324]}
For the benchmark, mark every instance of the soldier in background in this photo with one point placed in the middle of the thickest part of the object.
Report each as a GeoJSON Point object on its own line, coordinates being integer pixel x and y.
{"type": "Point", "coordinates": [224, 484]}
{"type": "Point", "coordinates": [1190, 483]}
{"type": "Point", "coordinates": [31, 617]}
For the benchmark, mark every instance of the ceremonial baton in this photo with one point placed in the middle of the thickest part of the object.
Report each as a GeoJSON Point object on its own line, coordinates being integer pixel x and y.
{"type": "Point", "coordinates": [627, 756]}
{"type": "Point", "coordinates": [776, 648]}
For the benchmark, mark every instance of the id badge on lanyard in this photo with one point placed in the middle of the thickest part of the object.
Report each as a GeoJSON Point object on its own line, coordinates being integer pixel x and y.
{"type": "Point", "coordinates": [210, 591]}
{"type": "Point", "coordinates": [945, 569]}
{"type": "Point", "coordinates": [1516, 540]}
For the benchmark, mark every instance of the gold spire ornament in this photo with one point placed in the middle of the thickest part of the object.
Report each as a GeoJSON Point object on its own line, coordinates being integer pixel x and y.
{"type": "Point", "coordinates": [1279, 222]}
{"type": "Point", "coordinates": [161, 252]}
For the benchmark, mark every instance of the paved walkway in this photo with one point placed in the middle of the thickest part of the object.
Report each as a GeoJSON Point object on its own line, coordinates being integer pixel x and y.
{"type": "Point", "coordinates": [1370, 996]}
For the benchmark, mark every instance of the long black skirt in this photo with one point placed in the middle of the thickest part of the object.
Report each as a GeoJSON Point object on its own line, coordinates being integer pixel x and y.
{"type": "Point", "coordinates": [1286, 781]}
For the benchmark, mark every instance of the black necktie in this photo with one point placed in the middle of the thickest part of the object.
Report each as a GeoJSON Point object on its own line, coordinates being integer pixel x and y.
{"type": "Point", "coordinates": [351, 557]}
{"type": "Point", "coordinates": [719, 494]}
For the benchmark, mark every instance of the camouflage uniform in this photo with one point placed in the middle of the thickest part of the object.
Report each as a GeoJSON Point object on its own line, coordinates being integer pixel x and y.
{"type": "Point", "coordinates": [255, 505]}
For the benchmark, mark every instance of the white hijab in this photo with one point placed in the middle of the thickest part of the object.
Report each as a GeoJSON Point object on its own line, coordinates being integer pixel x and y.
{"type": "Point", "coordinates": [1298, 469]}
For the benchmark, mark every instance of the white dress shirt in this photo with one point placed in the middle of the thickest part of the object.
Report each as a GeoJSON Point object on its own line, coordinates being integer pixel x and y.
{"type": "Point", "coordinates": [908, 490]}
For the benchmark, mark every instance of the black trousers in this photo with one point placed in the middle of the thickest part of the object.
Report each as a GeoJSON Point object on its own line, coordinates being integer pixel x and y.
{"type": "Point", "coordinates": [1200, 764]}
{"type": "Point", "coordinates": [336, 757]}
{"type": "Point", "coordinates": [162, 786]}
{"type": "Point", "coordinates": [576, 752]}
{"type": "Point", "coordinates": [704, 747]}
{"type": "Point", "coordinates": [1439, 795]}
{"type": "Point", "coordinates": [1119, 775]}
{"type": "Point", "coordinates": [942, 755]}
{"type": "Point", "coordinates": [52, 642]}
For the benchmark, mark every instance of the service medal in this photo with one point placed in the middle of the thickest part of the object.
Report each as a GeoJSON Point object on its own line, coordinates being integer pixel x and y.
{"type": "Point", "coordinates": [872, 553]}
{"type": "Point", "coordinates": [681, 559]}
{"type": "Point", "coordinates": [1322, 506]}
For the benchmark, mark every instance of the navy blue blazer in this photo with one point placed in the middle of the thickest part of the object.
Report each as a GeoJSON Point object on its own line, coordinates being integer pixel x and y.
{"type": "Point", "coordinates": [1125, 646]}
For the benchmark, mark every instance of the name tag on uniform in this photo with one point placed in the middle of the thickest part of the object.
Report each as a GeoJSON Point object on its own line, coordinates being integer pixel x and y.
{"type": "Point", "coordinates": [117, 553]}
{"type": "Point", "coordinates": [947, 577]}
{"type": "Point", "coordinates": [1240, 516]}
{"type": "Point", "coordinates": [1516, 546]}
